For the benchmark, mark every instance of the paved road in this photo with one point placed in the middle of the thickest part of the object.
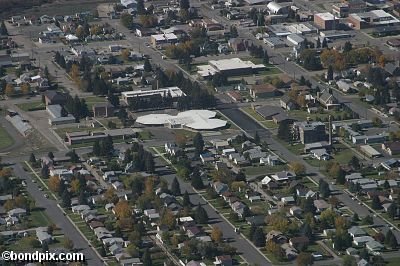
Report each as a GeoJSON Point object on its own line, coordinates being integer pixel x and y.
{"type": "Point", "coordinates": [250, 126]}
{"type": "Point", "coordinates": [58, 217]}
{"type": "Point", "coordinates": [249, 253]}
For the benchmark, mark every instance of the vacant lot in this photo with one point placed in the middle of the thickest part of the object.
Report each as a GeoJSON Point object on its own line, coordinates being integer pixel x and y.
{"type": "Point", "coordinates": [31, 106]}
{"type": "Point", "coordinates": [5, 139]}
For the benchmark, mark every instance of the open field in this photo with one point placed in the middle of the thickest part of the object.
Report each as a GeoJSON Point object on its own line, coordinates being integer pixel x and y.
{"type": "Point", "coordinates": [5, 139]}
{"type": "Point", "coordinates": [30, 106]}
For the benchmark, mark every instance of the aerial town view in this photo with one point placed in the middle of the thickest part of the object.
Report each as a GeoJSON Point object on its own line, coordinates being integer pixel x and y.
{"type": "Point", "coordinates": [200, 132]}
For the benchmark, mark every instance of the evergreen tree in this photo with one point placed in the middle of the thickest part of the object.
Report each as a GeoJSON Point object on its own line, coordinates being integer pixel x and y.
{"type": "Point", "coordinates": [186, 200]}
{"type": "Point", "coordinates": [307, 231]}
{"type": "Point", "coordinates": [376, 204]}
{"type": "Point", "coordinates": [96, 148]}
{"type": "Point", "coordinates": [318, 43]}
{"type": "Point", "coordinates": [324, 188]}
{"type": "Point", "coordinates": [149, 162]}
{"type": "Point", "coordinates": [147, 259]}
{"type": "Point", "coordinates": [50, 155]}
{"type": "Point", "coordinates": [355, 217]}
{"type": "Point", "coordinates": [175, 187]}
{"type": "Point", "coordinates": [347, 47]}
{"type": "Point", "coordinates": [147, 66]}
{"type": "Point", "coordinates": [45, 246]}
{"type": "Point", "coordinates": [252, 231]}
{"type": "Point", "coordinates": [392, 210]}
{"type": "Point", "coordinates": [74, 157]}
{"type": "Point", "coordinates": [200, 215]}
{"type": "Point", "coordinates": [184, 4]}
{"type": "Point", "coordinates": [197, 182]}
{"type": "Point", "coordinates": [45, 172]}
{"type": "Point", "coordinates": [140, 7]}
{"type": "Point", "coordinates": [198, 143]}
{"type": "Point", "coordinates": [284, 131]}
{"type": "Point", "coordinates": [259, 237]}
{"type": "Point", "coordinates": [355, 162]}
{"type": "Point", "coordinates": [324, 43]}
{"type": "Point", "coordinates": [3, 28]}
{"type": "Point", "coordinates": [66, 199]}
{"type": "Point", "coordinates": [32, 158]}
{"type": "Point", "coordinates": [257, 138]}
{"type": "Point", "coordinates": [390, 239]}
{"type": "Point", "coordinates": [329, 75]}
{"type": "Point", "coordinates": [234, 32]}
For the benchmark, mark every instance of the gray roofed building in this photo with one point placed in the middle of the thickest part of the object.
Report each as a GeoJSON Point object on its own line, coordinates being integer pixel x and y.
{"type": "Point", "coordinates": [356, 231]}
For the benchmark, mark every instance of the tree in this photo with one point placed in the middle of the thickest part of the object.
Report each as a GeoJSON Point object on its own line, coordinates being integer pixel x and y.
{"type": "Point", "coordinates": [25, 88]}
{"type": "Point", "coordinates": [126, 20]}
{"type": "Point", "coordinates": [197, 182]}
{"type": "Point", "coordinates": [377, 122]}
{"type": "Point", "coordinates": [175, 187]}
{"type": "Point", "coordinates": [259, 237]}
{"type": "Point", "coordinates": [198, 143]}
{"type": "Point", "coordinates": [298, 168]}
{"type": "Point", "coordinates": [304, 259]}
{"type": "Point", "coordinates": [234, 32]}
{"type": "Point", "coordinates": [122, 209]}
{"type": "Point", "coordinates": [355, 217]}
{"type": "Point", "coordinates": [184, 4]}
{"type": "Point", "coordinates": [147, 259]}
{"type": "Point", "coordinates": [367, 220]}
{"type": "Point", "coordinates": [147, 66]}
{"type": "Point", "coordinates": [329, 75]}
{"type": "Point", "coordinates": [3, 28]}
{"type": "Point", "coordinates": [216, 234]}
{"type": "Point", "coordinates": [50, 155]}
{"type": "Point", "coordinates": [96, 148]}
{"type": "Point", "coordinates": [284, 131]}
{"type": "Point", "coordinates": [32, 158]}
{"type": "Point", "coordinates": [200, 215]}
{"type": "Point", "coordinates": [392, 210]}
{"type": "Point", "coordinates": [54, 184]}
{"type": "Point", "coordinates": [68, 244]}
{"type": "Point", "coordinates": [45, 172]}
{"type": "Point", "coordinates": [66, 199]}
{"type": "Point", "coordinates": [324, 188]}
{"type": "Point", "coordinates": [140, 7]}
{"type": "Point", "coordinates": [9, 91]}
{"type": "Point", "coordinates": [355, 162]}
{"type": "Point", "coordinates": [257, 138]}
{"type": "Point", "coordinates": [390, 239]}
{"type": "Point", "coordinates": [324, 43]}
{"type": "Point", "coordinates": [74, 157]}
{"type": "Point", "coordinates": [347, 47]}
{"type": "Point", "coordinates": [376, 204]}
{"type": "Point", "coordinates": [186, 200]}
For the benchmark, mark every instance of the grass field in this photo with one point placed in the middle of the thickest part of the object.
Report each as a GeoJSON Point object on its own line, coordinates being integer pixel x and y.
{"type": "Point", "coordinates": [5, 139]}
{"type": "Point", "coordinates": [263, 169]}
{"type": "Point", "coordinates": [39, 218]}
{"type": "Point", "coordinates": [90, 101]}
{"type": "Point", "coordinates": [31, 105]}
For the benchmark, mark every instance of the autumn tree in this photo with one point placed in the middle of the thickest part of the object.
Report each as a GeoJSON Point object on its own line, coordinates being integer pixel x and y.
{"type": "Point", "coordinates": [54, 183]}
{"type": "Point", "coordinates": [75, 185]}
{"type": "Point", "coordinates": [25, 88]}
{"type": "Point", "coordinates": [298, 168]}
{"type": "Point", "coordinates": [125, 53]}
{"type": "Point", "coordinates": [122, 209]}
{"type": "Point", "coordinates": [274, 248]}
{"type": "Point", "coordinates": [216, 234]}
{"type": "Point", "coordinates": [75, 74]}
{"type": "Point", "coordinates": [9, 91]}
{"type": "Point", "coordinates": [168, 219]}
{"type": "Point", "coordinates": [304, 259]}
{"type": "Point", "coordinates": [68, 244]}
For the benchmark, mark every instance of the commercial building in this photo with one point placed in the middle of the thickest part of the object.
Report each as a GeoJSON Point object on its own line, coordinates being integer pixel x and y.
{"type": "Point", "coordinates": [228, 67]}
{"type": "Point", "coordinates": [309, 132]}
{"type": "Point", "coordinates": [163, 39]}
{"type": "Point", "coordinates": [302, 28]}
{"type": "Point", "coordinates": [370, 151]}
{"type": "Point", "coordinates": [86, 136]}
{"type": "Point", "coordinates": [193, 119]}
{"type": "Point", "coordinates": [373, 18]}
{"type": "Point", "coordinates": [295, 39]}
{"type": "Point", "coordinates": [174, 92]}
{"type": "Point", "coordinates": [263, 91]}
{"type": "Point", "coordinates": [277, 9]}
{"type": "Point", "coordinates": [326, 21]}
{"type": "Point", "coordinates": [57, 117]}
{"type": "Point", "coordinates": [274, 42]}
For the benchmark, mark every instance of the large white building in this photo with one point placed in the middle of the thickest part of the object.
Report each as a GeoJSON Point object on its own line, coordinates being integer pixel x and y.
{"type": "Point", "coordinates": [173, 91]}
{"type": "Point", "coordinates": [193, 119]}
{"type": "Point", "coordinates": [229, 67]}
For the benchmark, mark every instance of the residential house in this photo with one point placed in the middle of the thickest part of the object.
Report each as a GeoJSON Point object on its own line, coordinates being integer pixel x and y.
{"type": "Point", "coordinates": [239, 208]}
{"type": "Point", "coordinates": [53, 97]}
{"type": "Point", "coordinates": [276, 236]}
{"type": "Point", "coordinates": [171, 148]}
{"type": "Point", "coordinates": [321, 154]}
{"type": "Point", "coordinates": [43, 236]}
{"type": "Point", "coordinates": [299, 242]}
{"type": "Point", "coordinates": [356, 231]}
{"type": "Point", "coordinates": [193, 231]}
{"type": "Point", "coordinates": [271, 160]}
{"type": "Point", "coordinates": [17, 212]}
{"type": "Point", "coordinates": [287, 103]}
{"type": "Point", "coordinates": [283, 176]}
{"type": "Point", "coordinates": [220, 187]}
{"type": "Point", "coordinates": [263, 91]}
{"type": "Point", "coordinates": [131, 262]}
{"type": "Point", "coordinates": [295, 211]}
{"type": "Point", "coordinates": [257, 220]}
{"type": "Point", "coordinates": [392, 148]}
{"type": "Point", "coordinates": [225, 260]}
{"type": "Point", "coordinates": [321, 205]}
{"type": "Point", "coordinates": [374, 246]}
{"type": "Point", "coordinates": [327, 100]}
{"type": "Point", "coordinates": [362, 240]}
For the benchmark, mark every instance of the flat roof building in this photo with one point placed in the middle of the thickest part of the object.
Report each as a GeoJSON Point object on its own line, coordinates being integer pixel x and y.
{"type": "Point", "coordinates": [163, 39]}
{"type": "Point", "coordinates": [295, 39]}
{"type": "Point", "coordinates": [373, 18]}
{"type": "Point", "coordinates": [193, 119]}
{"type": "Point", "coordinates": [229, 67]}
{"type": "Point", "coordinates": [173, 91]}
{"type": "Point", "coordinates": [57, 117]}
{"type": "Point", "coordinates": [326, 21]}
{"type": "Point", "coordinates": [275, 42]}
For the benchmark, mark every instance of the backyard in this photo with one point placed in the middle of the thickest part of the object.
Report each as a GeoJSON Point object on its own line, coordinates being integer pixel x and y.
{"type": "Point", "coordinates": [5, 139]}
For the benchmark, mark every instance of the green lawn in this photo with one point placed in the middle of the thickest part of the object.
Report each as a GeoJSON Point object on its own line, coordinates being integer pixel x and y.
{"type": "Point", "coordinates": [269, 124]}
{"type": "Point", "coordinates": [393, 261]}
{"type": "Point", "coordinates": [249, 111]}
{"type": "Point", "coordinates": [263, 169]}
{"type": "Point", "coordinates": [296, 148]}
{"type": "Point", "coordinates": [37, 105]}
{"type": "Point", "coordinates": [39, 218]}
{"type": "Point", "coordinates": [61, 131]}
{"type": "Point", "coordinates": [90, 101]}
{"type": "Point", "coordinates": [145, 135]}
{"type": "Point", "coordinates": [5, 139]}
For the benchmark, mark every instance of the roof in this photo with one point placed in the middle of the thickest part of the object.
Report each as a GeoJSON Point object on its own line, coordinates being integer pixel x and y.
{"type": "Point", "coordinates": [233, 63]}
{"type": "Point", "coordinates": [267, 110]}
{"type": "Point", "coordinates": [266, 87]}
{"type": "Point", "coordinates": [326, 16]}
{"type": "Point", "coordinates": [164, 37]}
{"type": "Point", "coordinates": [194, 119]}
